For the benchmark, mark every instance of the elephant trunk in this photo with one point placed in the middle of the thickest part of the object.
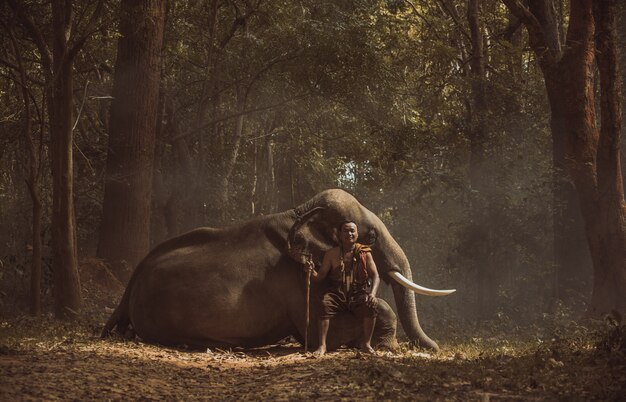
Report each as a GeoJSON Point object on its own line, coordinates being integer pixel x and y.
{"type": "Point", "coordinates": [393, 260]}
{"type": "Point", "coordinates": [298, 253]}
{"type": "Point", "coordinates": [407, 312]}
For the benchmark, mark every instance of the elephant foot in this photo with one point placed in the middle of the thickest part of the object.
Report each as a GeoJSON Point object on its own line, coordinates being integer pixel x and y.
{"type": "Point", "coordinates": [389, 344]}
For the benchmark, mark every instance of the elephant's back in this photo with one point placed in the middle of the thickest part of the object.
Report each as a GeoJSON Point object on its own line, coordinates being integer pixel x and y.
{"type": "Point", "coordinates": [215, 289]}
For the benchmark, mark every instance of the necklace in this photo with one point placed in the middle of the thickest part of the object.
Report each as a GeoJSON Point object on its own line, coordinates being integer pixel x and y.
{"type": "Point", "coordinates": [347, 277]}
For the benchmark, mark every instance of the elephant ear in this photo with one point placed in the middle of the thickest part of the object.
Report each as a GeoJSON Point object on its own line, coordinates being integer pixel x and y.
{"type": "Point", "coordinates": [368, 237]}
{"type": "Point", "coordinates": [310, 237]}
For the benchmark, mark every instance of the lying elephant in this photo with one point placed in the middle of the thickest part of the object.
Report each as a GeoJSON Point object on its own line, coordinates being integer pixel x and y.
{"type": "Point", "coordinates": [244, 285]}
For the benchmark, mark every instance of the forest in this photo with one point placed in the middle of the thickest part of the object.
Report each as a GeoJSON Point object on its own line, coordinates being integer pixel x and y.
{"type": "Point", "coordinates": [476, 144]}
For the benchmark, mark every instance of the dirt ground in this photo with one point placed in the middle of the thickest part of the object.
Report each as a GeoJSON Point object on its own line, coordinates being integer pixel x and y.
{"type": "Point", "coordinates": [44, 359]}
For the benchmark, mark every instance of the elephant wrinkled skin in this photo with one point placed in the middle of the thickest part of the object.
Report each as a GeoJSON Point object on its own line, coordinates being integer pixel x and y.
{"type": "Point", "coordinates": [244, 285]}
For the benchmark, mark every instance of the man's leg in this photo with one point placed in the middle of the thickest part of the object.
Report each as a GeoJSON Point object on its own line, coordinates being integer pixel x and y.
{"type": "Point", "coordinates": [332, 302]}
{"type": "Point", "coordinates": [368, 314]}
{"type": "Point", "coordinates": [323, 326]}
{"type": "Point", "coordinates": [368, 331]}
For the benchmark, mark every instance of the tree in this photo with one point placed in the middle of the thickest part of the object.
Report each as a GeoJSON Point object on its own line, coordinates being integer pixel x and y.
{"type": "Point", "coordinates": [480, 176]}
{"type": "Point", "coordinates": [592, 156]}
{"type": "Point", "coordinates": [57, 64]}
{"type": "Point", "coordinates": [125, 227]}
{"type": "Point", "coordinates": [32, 181]}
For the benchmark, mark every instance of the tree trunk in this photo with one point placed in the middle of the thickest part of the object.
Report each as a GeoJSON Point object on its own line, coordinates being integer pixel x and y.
{"type": "Point", "coordinates": [33, 188]}
{"type": "Point", "coordinates": [230, 158]}
{"type": "Point", "coordinates": [125, 228]}
{"type": "Point", "coordinates": [609, 232]}
{"type": "Point", "coordinates": [63, 227]}
{"type": "Point", "coordinates": [181, 212]}
{"type": "Point", "coordinates": [160, 193]}
{"type": "Point", "coordinates": [255, 179]}
{"type": "Point", "coordinates": [35, 271]}
{"type": "Point", "coordinates": [479, 176]}
{"type": "Point", "coordinates": [592, 157]}
{"type": "Point", "coordinates": [572, 262]}
{"type": "Point", "coordinates": [570, 91]}
{"type": "Point", "coordinates": [57, 67]}
{"type": "Point", "coordinates": [571, 251]}
{"type": "Point", "coordinates": [271, 177]}
{"type": "Point", "coordinates": [621, 47]}
{"type": "Point", "coordinates": [34, 163]}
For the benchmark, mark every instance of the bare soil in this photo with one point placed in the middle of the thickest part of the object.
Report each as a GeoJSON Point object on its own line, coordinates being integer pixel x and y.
{"type": "Point", "coordinates": [43, 359]}
{"type": "Point", "coordinates": [46, 359]}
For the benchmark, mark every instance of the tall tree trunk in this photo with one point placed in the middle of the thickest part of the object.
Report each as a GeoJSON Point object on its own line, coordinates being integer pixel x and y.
{"type": "Point", "coordinates": [58, 68]}
{"type": "Point", "coordinates": [572, 261]}
{"type": "Point", "coordinates": [592, 165]}
{"type": "Point", "coordinates": [63, 228]}
{"type": "Point", "coordinates": [478, 172]}
{"type": "Point", "coordinates": [35, 271]}
{"type": "Point", "coordinates": [160, 193]}
{"type": "Point", "coordinates": [255, 179]}
{"type": "Point", "coordinates": [125, 228]}
{"type": "Point", "coordinates": [609, 288]}
{"type": "Point", "coordinates": [621, 47]}
{"type": "Point", "coordinates": [593, 157]}
{"type": "Point", "coordinates": [230, 159]}
{"type": "Point", "coordinates": [271, 176]}
{"type": "Point", "coordinates": [181, 212]}
{"type": "Point", "coordinates": [208, 85]}
{"type": "Point", "coordinates": [34, 161]}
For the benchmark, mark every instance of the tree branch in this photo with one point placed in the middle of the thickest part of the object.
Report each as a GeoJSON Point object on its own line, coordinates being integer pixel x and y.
{"type": "Point", "coordinates": [34, 33]}
{"type": "Point", "coordinates": [536, 34]}
{"type": "Point", "coordinates": [8, 63]}
{"type": "Point", "coordinates": [233, 115]}
{"type": "Point", "coordinates": [90, 28]}
{"type": "Point", "coordinates": [526, 17]}
{"type": "Point", "coordinates": [272, 63]}
{"type": "Point", "coordinates": [451, 11]}
{"type": "Point", "coordinates": [420, 15]}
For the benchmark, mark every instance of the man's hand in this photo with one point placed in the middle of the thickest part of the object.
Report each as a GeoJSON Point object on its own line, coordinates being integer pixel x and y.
{"type": "Point", "coordinates": [309, 266]}
{"type": "Point", "coordinates": [371, 300]}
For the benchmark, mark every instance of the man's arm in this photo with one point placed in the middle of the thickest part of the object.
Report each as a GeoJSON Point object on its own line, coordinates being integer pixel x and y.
{"type": "Point", "coordinates": [372, 273]}
{"type": "Point", "coordinates": [318, 276]}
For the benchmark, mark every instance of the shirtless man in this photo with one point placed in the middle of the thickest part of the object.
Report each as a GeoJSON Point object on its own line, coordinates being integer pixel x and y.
{"type": "Point", "coordinates": [349, 267]}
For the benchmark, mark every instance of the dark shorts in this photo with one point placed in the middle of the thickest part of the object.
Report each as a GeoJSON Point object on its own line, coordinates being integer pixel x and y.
{"type": "Point", "coordinates": [336, 301]}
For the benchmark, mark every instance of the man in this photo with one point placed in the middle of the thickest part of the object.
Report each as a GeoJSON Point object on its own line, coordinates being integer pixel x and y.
{"type": "Point", "coordinates": [349, 267]}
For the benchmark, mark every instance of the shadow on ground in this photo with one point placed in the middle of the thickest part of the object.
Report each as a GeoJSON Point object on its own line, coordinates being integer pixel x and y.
{"type": "Point", "coordinates": [49, 360]}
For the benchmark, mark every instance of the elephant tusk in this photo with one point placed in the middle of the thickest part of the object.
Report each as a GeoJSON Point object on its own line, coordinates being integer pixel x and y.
{"type": "Point", "coordinates": [398, 277]}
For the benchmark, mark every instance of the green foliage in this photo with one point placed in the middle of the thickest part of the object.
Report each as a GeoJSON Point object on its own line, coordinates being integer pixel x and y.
{"type": "Point", "coordinates": [369, 96]}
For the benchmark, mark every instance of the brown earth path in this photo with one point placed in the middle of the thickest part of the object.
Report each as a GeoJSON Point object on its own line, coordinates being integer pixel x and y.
{"type": "Point", "coordinates": [45, 359]}
{"type": "Point", "coordinates": [81, 367]}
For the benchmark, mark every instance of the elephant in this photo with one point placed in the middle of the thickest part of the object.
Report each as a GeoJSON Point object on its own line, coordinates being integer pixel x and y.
{"type": "Point", "coordinates": [244, 285]}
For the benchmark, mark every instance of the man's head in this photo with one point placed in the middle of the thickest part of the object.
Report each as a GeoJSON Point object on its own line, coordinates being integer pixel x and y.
{"type": "Point", "coordinates": [348, 232]}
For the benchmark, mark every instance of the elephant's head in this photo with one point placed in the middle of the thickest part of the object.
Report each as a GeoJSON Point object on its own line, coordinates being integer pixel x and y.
{"type": "Point", "coordinates": [315, 231]}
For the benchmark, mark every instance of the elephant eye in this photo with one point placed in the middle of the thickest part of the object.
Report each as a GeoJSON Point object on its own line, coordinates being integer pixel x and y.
{"type": "Point", "coordinates": [371, 236]}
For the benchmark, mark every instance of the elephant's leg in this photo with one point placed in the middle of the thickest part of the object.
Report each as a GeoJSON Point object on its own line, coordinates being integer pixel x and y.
{"type": "Point", "coordinates": [385, 329]}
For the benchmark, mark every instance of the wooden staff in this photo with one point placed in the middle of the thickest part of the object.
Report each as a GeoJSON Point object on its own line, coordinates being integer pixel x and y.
{"type": "Point", "coordinates": [308, 301]}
